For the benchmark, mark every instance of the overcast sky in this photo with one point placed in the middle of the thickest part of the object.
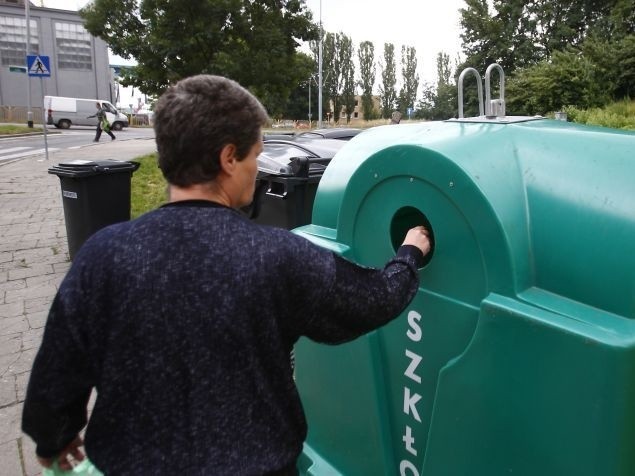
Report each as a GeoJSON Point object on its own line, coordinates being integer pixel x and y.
{"type": "Point", "coordinates": [430, 26]}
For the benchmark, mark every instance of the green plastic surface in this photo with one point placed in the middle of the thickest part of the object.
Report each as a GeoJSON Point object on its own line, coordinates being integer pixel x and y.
{"type": "Point", "coordinates": [517, 355]}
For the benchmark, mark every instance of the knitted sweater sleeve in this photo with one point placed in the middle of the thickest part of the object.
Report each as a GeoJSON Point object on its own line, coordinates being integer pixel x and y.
{"type": "Point", "coordinates": [357, 299]}
{"type": "Point", "coordinates": [60, 374]}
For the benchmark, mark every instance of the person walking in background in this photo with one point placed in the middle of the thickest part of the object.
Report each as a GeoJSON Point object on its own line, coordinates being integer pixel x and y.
{"type": "Point", "coordinates": [183, 319]}
{"type": "Point", "coordinates": [102, 123]}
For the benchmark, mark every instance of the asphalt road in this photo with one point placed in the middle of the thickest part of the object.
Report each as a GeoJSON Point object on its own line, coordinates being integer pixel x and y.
{"type": "Point", "coordinates": [16, 147]}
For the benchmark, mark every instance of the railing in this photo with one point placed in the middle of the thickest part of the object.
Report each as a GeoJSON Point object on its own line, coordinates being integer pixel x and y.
{"type": "Point", "coordinates": [18, 114]}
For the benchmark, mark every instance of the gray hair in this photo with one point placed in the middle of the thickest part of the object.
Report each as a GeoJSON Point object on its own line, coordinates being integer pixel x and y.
{"type": "Point", "coordinates": [195, 118]}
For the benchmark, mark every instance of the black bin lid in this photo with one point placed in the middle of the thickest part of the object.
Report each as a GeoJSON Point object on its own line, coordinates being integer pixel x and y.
{"type": "Point", "coordinates": [86, 168]}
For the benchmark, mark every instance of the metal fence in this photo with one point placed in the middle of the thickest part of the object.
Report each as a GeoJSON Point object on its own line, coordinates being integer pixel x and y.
{"type": "Point", "coordinates": [18, 114]}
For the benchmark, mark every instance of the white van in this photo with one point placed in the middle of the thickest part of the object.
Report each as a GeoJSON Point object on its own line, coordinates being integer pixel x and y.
{"type": "Point", "coordinates": [63, 112]}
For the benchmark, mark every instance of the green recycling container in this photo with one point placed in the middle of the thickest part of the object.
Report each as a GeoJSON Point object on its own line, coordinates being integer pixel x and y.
{"type": "Point", "coordinates": [94, 194]}
{"type": "Point", "coordinates": [517, 355]}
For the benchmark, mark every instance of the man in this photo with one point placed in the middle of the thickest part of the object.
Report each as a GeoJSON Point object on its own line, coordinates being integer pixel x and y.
{"type": "Point", "coordinates": [101, 120]}
{"type": "Point", "coordinates": [183, 319]}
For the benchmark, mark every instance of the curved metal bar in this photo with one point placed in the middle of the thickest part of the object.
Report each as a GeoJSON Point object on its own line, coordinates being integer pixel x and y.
{"type": "Point", "coordinates": [488, 93]}
{"type": "Point", "coordinates": [479, 85]}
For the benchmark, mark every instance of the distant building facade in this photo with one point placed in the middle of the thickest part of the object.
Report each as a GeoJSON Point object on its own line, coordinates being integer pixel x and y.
{"type": "Point", "coordinates": [358, 111]}
{"type": "Point", "coordinates": [78, 61]}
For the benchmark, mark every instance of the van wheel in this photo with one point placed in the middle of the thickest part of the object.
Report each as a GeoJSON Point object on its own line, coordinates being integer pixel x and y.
{"type": "Point", "coordinates": [117, 126]}
{"type": "Point", "coordinates": [64, 124]}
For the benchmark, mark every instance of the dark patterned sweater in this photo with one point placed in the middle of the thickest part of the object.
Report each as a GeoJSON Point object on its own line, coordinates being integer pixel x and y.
{"type": "Point", "coordinates": [183, 321]}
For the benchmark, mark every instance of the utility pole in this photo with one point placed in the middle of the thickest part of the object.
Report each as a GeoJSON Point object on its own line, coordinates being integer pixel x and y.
{"type": "Point", "coordinates": [29, 113]}
{"type": "Point", "coordinates": [310, 79]}
{"type": "Point", "coordinates": [319, 122]}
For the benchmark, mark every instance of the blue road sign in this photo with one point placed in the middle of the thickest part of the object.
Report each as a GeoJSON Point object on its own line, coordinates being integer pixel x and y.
{"type": "Point", "coordinates": [38, 65]}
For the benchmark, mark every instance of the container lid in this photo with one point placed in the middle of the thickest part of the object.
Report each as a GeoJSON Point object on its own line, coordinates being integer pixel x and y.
{"type": "Point", "coordinates": [278, 156]}
{"type": "Point", "coordinates": [86, 168]}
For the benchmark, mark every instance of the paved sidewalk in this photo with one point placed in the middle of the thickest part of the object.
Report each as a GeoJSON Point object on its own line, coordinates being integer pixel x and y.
{"type": "Point", "coordinates": [33, 261]}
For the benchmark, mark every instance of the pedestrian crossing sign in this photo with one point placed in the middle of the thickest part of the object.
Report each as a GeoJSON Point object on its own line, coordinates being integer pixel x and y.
{"type": "Point", "coordinates": [38, 65]}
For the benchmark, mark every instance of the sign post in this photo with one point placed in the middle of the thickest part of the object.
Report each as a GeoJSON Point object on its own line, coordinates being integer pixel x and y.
{"type": "Point", "coordinates": [40, 66]}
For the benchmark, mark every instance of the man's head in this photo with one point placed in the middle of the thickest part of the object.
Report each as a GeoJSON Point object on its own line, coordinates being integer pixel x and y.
{"type": "Point", "coordinates": [198, 116]}
{"type": "Point", "coordinates": [98, 105]}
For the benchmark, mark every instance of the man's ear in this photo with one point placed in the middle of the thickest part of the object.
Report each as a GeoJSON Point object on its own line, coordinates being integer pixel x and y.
{"type": "Point", "coordinates": [228, 159]}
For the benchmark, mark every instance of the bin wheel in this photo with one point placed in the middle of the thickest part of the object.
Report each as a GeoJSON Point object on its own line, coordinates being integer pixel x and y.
{"type": "Point", "coordinates": [64, 124]}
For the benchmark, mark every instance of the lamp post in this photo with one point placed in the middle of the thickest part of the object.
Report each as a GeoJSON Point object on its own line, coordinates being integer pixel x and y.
{"type": "Point", "coordinates": [319, 123]}
{"type": "Point", "coordinates": [29, 113]}
{"type": "Point", "coordinates": [311, 78]}
{"type": "Point", "coordinates": [310, 102]}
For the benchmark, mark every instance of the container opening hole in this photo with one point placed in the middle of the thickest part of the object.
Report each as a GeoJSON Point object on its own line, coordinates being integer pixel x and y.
{"type": "Point", "coordinates": [404, 219]}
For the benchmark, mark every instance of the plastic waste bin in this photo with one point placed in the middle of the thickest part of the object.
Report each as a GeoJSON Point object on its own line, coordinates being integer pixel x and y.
{"type": "Point", "coordinates": [94, 194]}
{"type": "Point", "coordinates": [288, 177]}
{"type": "Point", "coordinates": [517, 355]}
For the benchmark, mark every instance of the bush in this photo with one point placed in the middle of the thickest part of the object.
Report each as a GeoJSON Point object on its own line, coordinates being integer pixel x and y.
{"type": "Point", "coordinates": [618, 115]}
{"type": "Point", "coordinates": [568, 78]}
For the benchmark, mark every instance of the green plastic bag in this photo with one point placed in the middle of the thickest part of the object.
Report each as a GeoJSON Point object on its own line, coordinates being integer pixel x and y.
{"type": "Point", "coordinates": [105, 125]}
{"type": "Point", "coordinates": [85, 468]}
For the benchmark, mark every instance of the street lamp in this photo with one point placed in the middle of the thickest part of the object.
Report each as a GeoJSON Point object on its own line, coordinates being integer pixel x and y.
{"type": "Point", "coordinates": [311, 78]}
{"type": "Point", "coordinates": [29, 114]}
{"type": "Point", "coordinates": [319, 124]}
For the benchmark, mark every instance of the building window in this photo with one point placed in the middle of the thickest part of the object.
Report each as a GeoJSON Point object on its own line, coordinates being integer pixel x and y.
{"type": "Point", "coordinates": [73, 47]}
{"type": "Point", "coordinates": [13, 40]}
{"type": "Point", "coordinates": [356, 115]}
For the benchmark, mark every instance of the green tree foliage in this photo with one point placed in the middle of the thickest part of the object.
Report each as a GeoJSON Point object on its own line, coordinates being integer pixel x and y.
{"type": "Point", "coordinates": [520, 33]}
{"type": "Point", "coordinates": [446, 100]}
{"type": "Point", "coordinates": [298, 105]}
{"type": "Point", "coordinates": [332, 73]}
{"type": "Point", "coordinates": [570, 46]}
{"type": "Point", "coordinates": [366, 56]}
{"type": "Point", "coordinates": [251, 41]}
{"type": "Point", "coordinates": [440, 102]}
{"type": "Point", "coordinates": [387, 89]}
{"type": "Point", "coordinates": [567, 79]}
{"type": "Point", "coordinates": [410, 79]}
{"type": "Point", "coordinates": [345, 53]}
{"type": "Point", "coordinates": [614, 62]}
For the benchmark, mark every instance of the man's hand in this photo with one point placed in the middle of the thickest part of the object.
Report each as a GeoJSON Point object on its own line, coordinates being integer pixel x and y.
{"type": "Point", "coordinates": [419, 237]}
{"type": "Point", "coordinates": [64, 458]}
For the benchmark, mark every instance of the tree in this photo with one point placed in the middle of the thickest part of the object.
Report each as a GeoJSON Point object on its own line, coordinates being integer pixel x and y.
{"type": "Point", "coordinates": [389, 80]}
{"type": "Point", "coordinates": [340, 72]}
{"type": "Point", "coordinates": [410, 78]}
{"type": "Point", "coordinates": [345, 51]}
{"type": "Point", "coordinates": [550, 43]}
{"type": "Point", "coordinates": [366, 56]}
{"type": "Point", "coordinates": [568, 78]}
{"type": "Point", "coordinates": [298, 104]}
{"type": "Point", "coordinates": [331, 73]}
{"type": "Point", "coordinates": [446, 98]}
{"type": "Point", "coordinates": [251, 41]}
{"type": "Point", "coordinates": [520, 33]}
{"type": "Point", "coordinates": [440, 102]}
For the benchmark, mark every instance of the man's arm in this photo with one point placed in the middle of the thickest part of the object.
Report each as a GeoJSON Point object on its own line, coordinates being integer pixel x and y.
{"type": "Point", "coordinates": [360, 299]}
{"type": "Point", "coordinates": [60, 383]}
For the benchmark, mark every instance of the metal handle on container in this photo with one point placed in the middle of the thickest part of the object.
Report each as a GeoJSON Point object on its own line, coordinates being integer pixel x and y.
{"type": "Point", "coordinates": [480, 90]}
{"type": "Point", "coordinates": [496, 107]}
